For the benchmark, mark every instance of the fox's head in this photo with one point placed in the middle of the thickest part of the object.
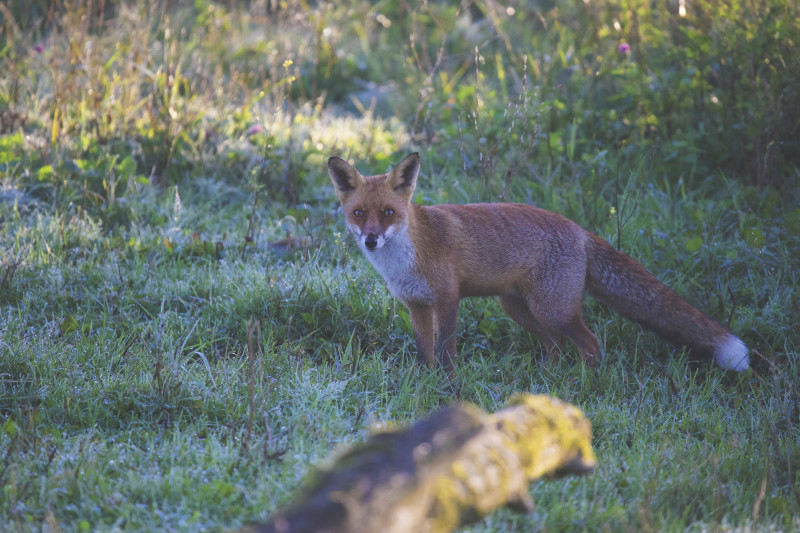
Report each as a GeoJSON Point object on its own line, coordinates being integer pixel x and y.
{"type": "Point", "coordinates": [375, 207]}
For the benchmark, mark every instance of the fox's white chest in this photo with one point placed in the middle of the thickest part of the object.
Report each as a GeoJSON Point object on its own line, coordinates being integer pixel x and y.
{"type": "Point", "coordinates": [395, 261]}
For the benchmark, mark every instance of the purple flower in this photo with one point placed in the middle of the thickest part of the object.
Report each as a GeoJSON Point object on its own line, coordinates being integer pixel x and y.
{"type": "Point", "coordinates": [624, 49]}
{"type": "Point", "coordinates": [257, 128]}
{"type": "Point", "coordinates": [39, 48]}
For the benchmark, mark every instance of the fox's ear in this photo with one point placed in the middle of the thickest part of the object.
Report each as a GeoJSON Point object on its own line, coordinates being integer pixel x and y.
{"type": "Point", "coordinates": [403, 177]}
{"type": "Point", "coordinates": [344, 176]}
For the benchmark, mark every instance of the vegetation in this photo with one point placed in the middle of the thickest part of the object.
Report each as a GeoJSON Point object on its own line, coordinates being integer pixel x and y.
{"type": "Point", "coordinates": [185, 328]}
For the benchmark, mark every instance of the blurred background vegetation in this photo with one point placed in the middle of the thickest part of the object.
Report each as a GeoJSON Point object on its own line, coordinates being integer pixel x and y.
{"type": "Point", "coordinates": [170, 90]}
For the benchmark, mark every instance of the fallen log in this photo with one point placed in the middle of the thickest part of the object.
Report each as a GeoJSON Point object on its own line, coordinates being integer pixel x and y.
{"type": "Point", "coordinates": [444, 471]}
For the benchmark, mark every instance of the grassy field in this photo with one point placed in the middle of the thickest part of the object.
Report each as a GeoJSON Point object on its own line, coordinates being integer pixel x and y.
{"type": "Point", "coordinates": [186, 329]}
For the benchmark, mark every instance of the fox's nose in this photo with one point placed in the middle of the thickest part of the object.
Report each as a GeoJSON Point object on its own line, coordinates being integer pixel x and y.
{"type": "Point", "coordinates": [372, 241]}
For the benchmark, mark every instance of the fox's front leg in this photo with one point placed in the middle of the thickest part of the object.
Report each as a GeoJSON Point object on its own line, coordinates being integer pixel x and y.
{"type": "Point", "coordinates": [446, 324]}
{"type": "Point", "coordinates": [422, 322]}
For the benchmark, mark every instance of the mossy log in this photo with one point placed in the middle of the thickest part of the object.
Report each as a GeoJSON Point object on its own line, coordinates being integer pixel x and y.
{"type": "Point", "coordinates": [444, 471]}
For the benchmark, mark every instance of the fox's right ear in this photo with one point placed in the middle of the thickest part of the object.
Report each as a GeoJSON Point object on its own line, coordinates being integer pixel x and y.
{"type": "Point", "coordinates": [403, 177]}
{"type": "Point", "coordinates": [344, 176]}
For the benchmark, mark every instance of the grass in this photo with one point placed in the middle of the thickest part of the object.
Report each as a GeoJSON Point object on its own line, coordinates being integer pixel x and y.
{"type": "Point", "coordinates": [186, 329]}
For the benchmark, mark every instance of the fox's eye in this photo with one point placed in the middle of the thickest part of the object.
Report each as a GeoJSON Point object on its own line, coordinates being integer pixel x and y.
{"type": "Point", "coordinates": [358, 213]}
{"type": "Point", "coordinates": [388, 213]}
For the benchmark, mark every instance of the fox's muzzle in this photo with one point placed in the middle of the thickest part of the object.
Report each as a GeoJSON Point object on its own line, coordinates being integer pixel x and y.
{"type": "Point", "coordinates": [371, 242]}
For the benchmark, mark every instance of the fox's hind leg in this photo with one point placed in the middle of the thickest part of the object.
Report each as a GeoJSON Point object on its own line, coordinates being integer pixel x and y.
{"type": "Point", "coordinates": [563, 317]}
{"type": "Point", "coordinates": [574, 329]}
{"type": "Point", "coordinates": [517, 308]}
{"type": "Point", "coordinates": [554, 294]}
{"type": "Point", "coordinates": [553, 320]}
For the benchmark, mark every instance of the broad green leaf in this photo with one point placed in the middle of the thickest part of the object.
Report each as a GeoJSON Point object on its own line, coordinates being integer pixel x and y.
{"type": "Point", "coordinates": [694, 244]}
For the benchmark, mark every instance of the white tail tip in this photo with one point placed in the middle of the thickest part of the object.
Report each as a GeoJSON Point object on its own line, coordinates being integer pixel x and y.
{"type": "Point", "coordinates": [732, 355]}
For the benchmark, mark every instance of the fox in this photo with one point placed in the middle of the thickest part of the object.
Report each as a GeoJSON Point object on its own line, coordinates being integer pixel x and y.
{"type": "Point", "coordinates": [536, 262]}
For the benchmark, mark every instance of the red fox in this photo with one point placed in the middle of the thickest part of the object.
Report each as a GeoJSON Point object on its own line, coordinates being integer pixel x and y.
{"type": "Point", "coordinates": [538, 263]}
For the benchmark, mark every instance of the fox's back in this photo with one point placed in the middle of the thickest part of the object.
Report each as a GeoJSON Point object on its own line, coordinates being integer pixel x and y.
{"type": "Point", "coordinates": [494, 245]}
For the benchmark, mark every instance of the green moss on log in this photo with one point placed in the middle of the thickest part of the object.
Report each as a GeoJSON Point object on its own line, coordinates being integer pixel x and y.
{"type": "Point", "coordinates": [444, 471]}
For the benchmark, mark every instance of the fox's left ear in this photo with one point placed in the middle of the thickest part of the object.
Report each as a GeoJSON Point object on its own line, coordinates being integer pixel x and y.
{"type": "Point", "coordinates": [403, 177]}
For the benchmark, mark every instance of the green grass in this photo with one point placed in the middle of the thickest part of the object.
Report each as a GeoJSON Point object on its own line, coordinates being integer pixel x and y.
{"type": "Point", "coordinates": [140, 226]}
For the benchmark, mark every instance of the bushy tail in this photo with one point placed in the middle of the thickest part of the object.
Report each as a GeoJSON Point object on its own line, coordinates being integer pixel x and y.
{"type": "Point", "coordinates": [624, 285]}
